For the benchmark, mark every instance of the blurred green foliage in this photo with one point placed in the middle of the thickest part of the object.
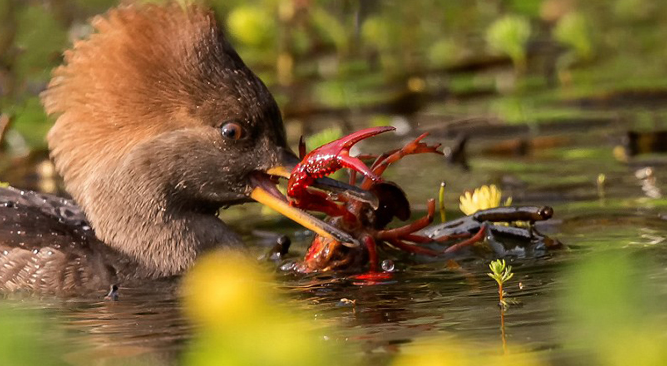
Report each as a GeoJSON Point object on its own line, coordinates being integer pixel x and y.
{"type": "Point", "coordinates": [355, 54]}
{"type": "Point", "coordinates": [39, 46]}
{"type": "Point", "coordinates": [251, 25]}
{"type": "Point", "coordinates": [614, 312]}
{"type": "Point", "coordinates": [572, 31]}
{"type": "Point", "coordinates": [323, 137]}
{"type": "Point", "coordinates": [29, 121]}
{"type": "Point", "coordinates": [510, 35]}
{"type": "Point", "coordinates": [28, 338]}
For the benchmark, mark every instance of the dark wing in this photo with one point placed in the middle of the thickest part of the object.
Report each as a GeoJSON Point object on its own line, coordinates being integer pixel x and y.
{"type": "Point", "coordinates": [48, 246]}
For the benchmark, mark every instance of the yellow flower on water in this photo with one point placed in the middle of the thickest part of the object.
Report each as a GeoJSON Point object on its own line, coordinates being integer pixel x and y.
{"type": "Point", "coordinates": [482, 198]}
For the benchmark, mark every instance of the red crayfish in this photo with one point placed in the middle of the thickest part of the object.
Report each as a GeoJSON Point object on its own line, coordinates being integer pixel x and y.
{"type": "Point", "coordinates": [363, 221]}
{"type": "Point", "coordinates": [366, 221]}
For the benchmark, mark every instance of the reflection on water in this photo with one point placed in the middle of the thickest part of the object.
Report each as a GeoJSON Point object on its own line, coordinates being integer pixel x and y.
{"type": "Point", "coordinates": [146, 327]}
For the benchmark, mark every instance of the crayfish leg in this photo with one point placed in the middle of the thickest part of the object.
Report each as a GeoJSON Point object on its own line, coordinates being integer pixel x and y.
{"type": "Point", "coordinates": [399, 244]}
{"type": "Point", "coordinates": [371, 246]}
{"type": "Point", "coordinates": [474, 239]}
{"type": "Point", "coordinates": [413, 147]}
{"type": "Point", "coordinates": [412, 227]}
{"type": "Point", "coordinates": [318, 201]}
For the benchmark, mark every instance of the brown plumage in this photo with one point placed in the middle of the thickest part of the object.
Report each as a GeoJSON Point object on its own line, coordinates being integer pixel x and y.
{"type": "Point", "coordinates": [140, 106]}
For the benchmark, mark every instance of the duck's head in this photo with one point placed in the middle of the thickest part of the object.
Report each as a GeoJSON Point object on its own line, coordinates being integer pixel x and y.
{"type": "Point", "coordinates": [159, 124]}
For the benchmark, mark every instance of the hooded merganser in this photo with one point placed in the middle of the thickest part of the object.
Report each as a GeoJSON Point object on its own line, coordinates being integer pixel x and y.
{"type": "Point", "coordinates": [159, 125]}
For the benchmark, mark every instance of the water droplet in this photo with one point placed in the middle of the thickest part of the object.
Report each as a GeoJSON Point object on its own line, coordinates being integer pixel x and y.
{"type": "Point", "coordinates": [35, 251]}
{"type": "Point", "coordinates": [19, 232]}
{"type": "Point", "coordinates": [388, 265]}
{"type": "Point", "coordinates": [50, 252]}
{"type": "Point", "coordinates": [4, 252]}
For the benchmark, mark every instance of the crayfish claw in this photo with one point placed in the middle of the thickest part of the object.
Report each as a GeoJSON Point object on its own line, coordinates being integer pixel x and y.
{"type": "Point", "coordinates": [345, 143]}
{"type": "Point", "coordinates": [323, 161]}
{"type": "Point", "coordinates": [359, 166]}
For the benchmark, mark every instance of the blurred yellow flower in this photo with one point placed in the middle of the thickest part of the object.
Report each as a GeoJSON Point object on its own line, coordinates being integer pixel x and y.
{"type": "Point", "coordinates": [482, 198]}
{"type": "Point", "coordinates": [449, 351]}
{"type": "Point", "coordinates": [242, 319]}
{"type": "Point", "coordinates": [226, 288]}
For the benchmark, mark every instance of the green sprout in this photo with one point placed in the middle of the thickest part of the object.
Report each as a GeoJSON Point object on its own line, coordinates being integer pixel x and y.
{"type": "Point", "coordinates": [441, 200]}
{"type": "Point", "coordinates": [510, 35]}
{"type": "Point", "coordinates": [601, 185]}
{"type": "Point", "coordinates": [502, 273]}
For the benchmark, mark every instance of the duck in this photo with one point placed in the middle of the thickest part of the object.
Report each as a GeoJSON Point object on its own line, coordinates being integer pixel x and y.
{"type": "Point", "coordinates": [158, 125]}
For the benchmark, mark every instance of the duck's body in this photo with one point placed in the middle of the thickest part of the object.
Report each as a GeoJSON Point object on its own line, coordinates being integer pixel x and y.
{"type": "Point", "coordinates": [158, 124]}
{"type": "Point", "coordinates": [47, 244]}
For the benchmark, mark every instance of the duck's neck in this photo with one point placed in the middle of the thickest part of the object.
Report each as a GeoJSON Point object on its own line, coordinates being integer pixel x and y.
{"type": "Point", "coordinates": [141, 216]}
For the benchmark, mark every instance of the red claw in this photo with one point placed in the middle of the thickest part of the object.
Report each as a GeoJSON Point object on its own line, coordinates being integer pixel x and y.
{"type": "Point", "coordinates": [323, 161]}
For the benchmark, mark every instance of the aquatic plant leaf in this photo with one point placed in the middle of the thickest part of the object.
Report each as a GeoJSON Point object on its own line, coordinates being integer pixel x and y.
{"type": "Point", "coordinates": [572, 31]}
{"type": "Point", "coordinates": [252, 25]}
{"type": "Point", "coordinates": [31, 122]}
{"type": "Point", "coordinates": [510, 35]}
{"type": "Point", "coordinates": [331, 28]}
{"type": "Point", "coordinates": [40, 47]}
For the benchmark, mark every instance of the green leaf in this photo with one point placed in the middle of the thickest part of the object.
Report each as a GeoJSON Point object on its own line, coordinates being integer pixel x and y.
{"type": "Point", "coordinates": [510, 35]}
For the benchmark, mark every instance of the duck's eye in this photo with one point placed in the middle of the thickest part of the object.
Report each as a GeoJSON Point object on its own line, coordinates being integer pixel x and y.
{"type": "Point", "coordinates": [232, 131]}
